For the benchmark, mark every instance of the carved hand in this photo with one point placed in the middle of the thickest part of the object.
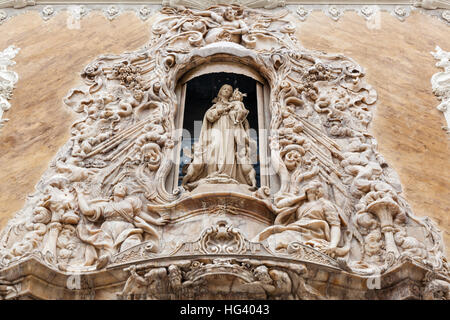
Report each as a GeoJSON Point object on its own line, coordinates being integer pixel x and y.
{"type": "Point", "coordinates": [220, 109]}
{"type": "Point", "coordinates": [162, 221]}
{"type": "Point", "coordinates": [331, 251]}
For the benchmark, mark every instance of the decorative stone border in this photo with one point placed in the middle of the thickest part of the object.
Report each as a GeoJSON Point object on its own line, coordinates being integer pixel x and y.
{"type": "Point", "coordinates": [110, 11]}
{"type": "Point", "coordinates": [32, 277]}
{"type": "Point", "coordinates": [155, 70]}
{"type": "Point", "coordinates": [367, 11]}
{"type": "Point", "coordinates": [302, 11]}
{"type": "Point", "coordinates": [8, 79]}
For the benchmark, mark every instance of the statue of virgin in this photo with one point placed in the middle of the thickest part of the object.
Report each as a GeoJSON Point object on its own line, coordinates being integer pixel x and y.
{"type": "Point", "coordinates": [222, 153]}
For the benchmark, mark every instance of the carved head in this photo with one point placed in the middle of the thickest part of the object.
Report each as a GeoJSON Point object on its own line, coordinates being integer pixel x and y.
{"type": "Point", "coordinates": [151, 155]}
{"type": "Point", "coordinates": [229, 14]}
{"type": "Point", "coordinates": [120, 190]}
{"type": "Point", "coordinates": [174, 273]}
{"type": "Point", "coordinates": [225, 92]}
{"type": "Point", "coordinates": [138, 95]}
{"type": "Point", "coordinates": [237, 95]}
{"type": "Point", "coordinates": [314, 190]}
{"type": "Point", "coordinates": [261, 273]}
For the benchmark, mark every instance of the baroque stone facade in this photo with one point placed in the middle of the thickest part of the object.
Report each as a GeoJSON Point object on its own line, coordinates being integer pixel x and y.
{"type": "Point", "coordinates": [331, 222]}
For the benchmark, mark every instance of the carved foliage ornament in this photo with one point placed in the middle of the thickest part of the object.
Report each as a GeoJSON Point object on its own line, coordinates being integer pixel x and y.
{"type": "Point", "coordinates": [337, 194]}
{"type": "Point", "coordinates": [440, 83]}
{"type": "Point", "coordinates": [367, 10]}
{"type": "Point", "coordinates": [8, 80]}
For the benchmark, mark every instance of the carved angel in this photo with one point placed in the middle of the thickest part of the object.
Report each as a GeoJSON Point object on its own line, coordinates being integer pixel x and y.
{"type": "Point", "coordinates": [317, 223]}
{"type": "Point", "coordinates": [123, 226]}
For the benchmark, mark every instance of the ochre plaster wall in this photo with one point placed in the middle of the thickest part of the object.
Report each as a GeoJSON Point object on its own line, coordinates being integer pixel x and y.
{"type": "Point", "coordinates": [396, 57]}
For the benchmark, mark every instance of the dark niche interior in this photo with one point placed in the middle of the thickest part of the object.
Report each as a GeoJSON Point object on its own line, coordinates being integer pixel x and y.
{"type": "Point", "coordinates": [200, 92]}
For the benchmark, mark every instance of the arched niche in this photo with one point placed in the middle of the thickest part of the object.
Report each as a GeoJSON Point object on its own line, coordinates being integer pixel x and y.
{"type": "Point", "coordinates": [220, 64]}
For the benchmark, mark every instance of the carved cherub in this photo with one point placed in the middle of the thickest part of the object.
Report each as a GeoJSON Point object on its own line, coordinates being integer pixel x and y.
{"type": "Point", "coordinates": [218, 155]}
{"type": "Point", "coordinates": [230, 24]}
{"type": "Point", "coordinates": [16, 4]}
{"type": "Point", "coordinates": [237, 112]}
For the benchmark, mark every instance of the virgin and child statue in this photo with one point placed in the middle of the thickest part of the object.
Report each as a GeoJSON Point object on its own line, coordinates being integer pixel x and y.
{"type": "Point", "coordinates": [224, 148]}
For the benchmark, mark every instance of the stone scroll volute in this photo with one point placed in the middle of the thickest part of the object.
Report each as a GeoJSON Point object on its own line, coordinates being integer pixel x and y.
{"type": "Point", "coordinates": [105, 193]}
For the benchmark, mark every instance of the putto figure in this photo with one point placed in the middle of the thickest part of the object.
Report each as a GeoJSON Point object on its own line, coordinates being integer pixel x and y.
{"type": "Point", "coordinates": [222, 154]}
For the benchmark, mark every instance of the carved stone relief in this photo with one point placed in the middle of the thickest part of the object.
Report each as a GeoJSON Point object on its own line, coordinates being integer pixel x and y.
{"type": "Point", "coordinates": [8, 80]}
{"type": "Point", "coordinates": [223, 152]}
{"type": "Point", "coordinates": [440, 83]}
{"type": "Point", "coordinates": [204, 4]}
{"type": "Point", "coordinates": [16, 4]}
{"type": "Point", "coordinates": [195, 280]}
{"type": "Point", "coordinates": [334, 9]}
{"type": "Point", "coordinates": [432, 4]}
{"type": "Point", "coordinates": [103, 203]}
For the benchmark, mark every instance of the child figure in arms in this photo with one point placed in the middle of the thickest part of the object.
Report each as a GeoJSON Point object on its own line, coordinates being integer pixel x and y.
{"type": "Point", "coordinates": [238, 112]}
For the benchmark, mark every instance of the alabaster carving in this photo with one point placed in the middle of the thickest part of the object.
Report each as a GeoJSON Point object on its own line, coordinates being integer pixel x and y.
{"type": "Point", "coordinates": [16, 4]}
{"type": "Point", "coordinates": [432, 4]}
{"type": "Point", "coordinates": [222, 154]}
{"type": "Point", "coordinates": [401, 12]}
{"type": "Point", "coordinates": [8, 80]}
{"type": "Point", "coordinates": [334, 12]}
{"type": "Point", "coordinates": [145, 12]}
{"type": "Point", "coordinates": [204, 4]}
{"type": "Point", "coordinates": [440, 83]}
{"type": "Point", "coordinates": [333, 207]}
{"type": "Point", "coordinates": [195, 281]}
{"type": "Point", "coordinates": [316, 223]}
{"type": "Point", "coordinates": [302, 12]}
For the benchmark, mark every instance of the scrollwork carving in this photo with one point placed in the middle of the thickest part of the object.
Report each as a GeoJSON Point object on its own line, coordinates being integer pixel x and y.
{"type": "Point", "coordinates": [8, 79]}
{"type": "Point", "coordinates": [441, 85]}
{"type": "Point", "coordinates": [192, 281]}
